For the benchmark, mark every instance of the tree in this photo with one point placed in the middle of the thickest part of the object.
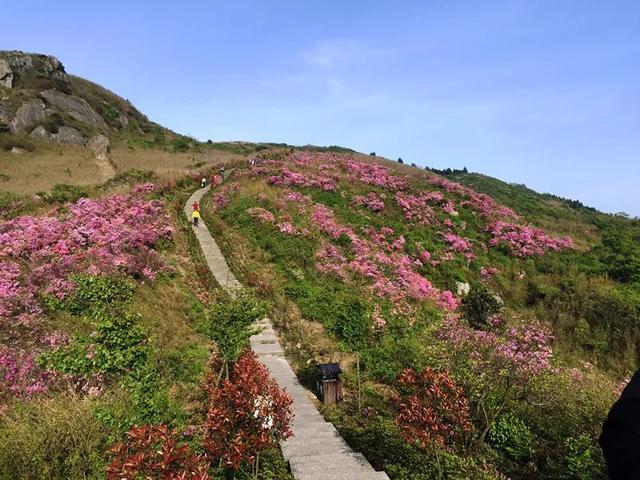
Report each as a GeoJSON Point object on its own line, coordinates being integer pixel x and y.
{"type": "Point", "coordinates": [464, 170]}
{"type": "Point", "coordinates": [247, 413]}
{"type": "Point", "coordinates": [373, 154]}
{"type": "Point", "coordinates": [400, 160]}
{"type": "Point", "coordinates": [230, 324]}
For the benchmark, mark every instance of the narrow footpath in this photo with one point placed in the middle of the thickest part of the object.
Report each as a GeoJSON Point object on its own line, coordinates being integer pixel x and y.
{"type": "Point", "coordinates": [316, 451]}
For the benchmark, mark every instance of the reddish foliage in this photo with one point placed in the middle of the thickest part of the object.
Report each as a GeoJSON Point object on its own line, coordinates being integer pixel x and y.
{"type": "Point", "coordinates": [432, 408]}
{"type": "Point", "coordinates": [152, 451]}
{"type": "Point", "coordinates": [246, 414]}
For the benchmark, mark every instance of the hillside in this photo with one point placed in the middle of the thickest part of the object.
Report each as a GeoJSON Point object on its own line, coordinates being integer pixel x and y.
{"type": "Point", "coordinates": [438, 287]}
{"type": "Point", "coordinates": [484, 329]}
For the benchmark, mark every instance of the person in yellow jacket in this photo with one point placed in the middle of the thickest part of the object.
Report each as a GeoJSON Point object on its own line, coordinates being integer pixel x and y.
{"type": "Point", "coordinates": [196, 217]}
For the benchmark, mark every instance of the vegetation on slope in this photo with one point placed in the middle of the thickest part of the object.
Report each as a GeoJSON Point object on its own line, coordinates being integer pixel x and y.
{"type": "Point", "coordinates": [105, 354]}
{"type": "Point", "coordinates": [372, 262]}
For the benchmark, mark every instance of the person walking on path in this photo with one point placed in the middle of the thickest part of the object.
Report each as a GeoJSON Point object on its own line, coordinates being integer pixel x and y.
{"type": "Point", "coordinates": [196, 205]}
{"type": "Point", "coordinates": [196, 217]}
{"type": "Point", "coordinates": [222, 172]}
{"type": "Point", "coordinates": [203, 182]}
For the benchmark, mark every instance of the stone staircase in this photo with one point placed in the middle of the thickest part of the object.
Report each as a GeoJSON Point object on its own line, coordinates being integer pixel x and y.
{"type": "Point", "coordinates": [316, 451]}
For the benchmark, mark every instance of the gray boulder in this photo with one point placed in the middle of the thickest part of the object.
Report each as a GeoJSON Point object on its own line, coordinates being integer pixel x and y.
{"type": "Point", "coordinates": [65, 135]}
{"type": "Point", "coordinates": [77, 107]}
{"type": "Point", "coordinates": [69, 135]}
{"type": "Point", "coordinates": [29, 114]}
{"type": "Point", "coordinates": [6, 74]}
{"type": "Point", "coordinates": [99, 144]}
{"type": "Point", "coordinates": [41, 133]}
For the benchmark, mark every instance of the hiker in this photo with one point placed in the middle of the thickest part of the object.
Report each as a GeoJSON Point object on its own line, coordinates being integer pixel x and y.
{"type": "Point", "coordinates": [203, 182]}
{"type": "Point", "coordinates": [222, 172]}
{"type": "Point", "coordinates": [620, 439]}
{"type": "Point", "coordinates": [196, 217]}
{"type": "Point", "coordinates": [196, 205]}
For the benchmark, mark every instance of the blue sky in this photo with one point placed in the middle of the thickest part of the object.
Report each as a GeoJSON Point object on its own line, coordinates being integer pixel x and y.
{"type": "Point", "coordinates": [545, 93]}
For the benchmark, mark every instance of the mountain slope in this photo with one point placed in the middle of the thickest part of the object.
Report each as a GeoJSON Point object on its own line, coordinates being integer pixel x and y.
{"type": "Point", "coordinates": [436, 287]}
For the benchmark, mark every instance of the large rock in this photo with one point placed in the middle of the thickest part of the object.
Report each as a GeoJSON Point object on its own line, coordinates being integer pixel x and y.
{"type": "Point", "coordinates": [65, 135]}
{"type": "Point", "coordinates": [6, 74]}
{"type": "Point", "coordinates": [40, 133]}
{"type": "Point", "coordinates": [77, 107]}
{"type": "Point", "coordinates": [69, 135]}
{"type": "Point", "coordinates": [29, 114]}
{"type": "Point", "coordinates": [99, 144]}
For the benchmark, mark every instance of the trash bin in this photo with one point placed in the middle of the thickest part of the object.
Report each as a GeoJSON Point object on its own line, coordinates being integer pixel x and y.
{"type": "Point", "coordinates": [329, 383]}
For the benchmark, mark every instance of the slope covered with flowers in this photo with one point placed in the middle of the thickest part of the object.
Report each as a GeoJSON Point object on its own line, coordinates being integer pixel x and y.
{"type": "Point", "coordinates": [40, 258]}
{"type": "Point", "coordinates": [415, 272]}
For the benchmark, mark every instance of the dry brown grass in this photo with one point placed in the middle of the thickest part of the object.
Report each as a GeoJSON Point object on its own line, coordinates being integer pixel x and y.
{"type": "Point", "coordinates": [38, 171]}
{"type": "Point", "coordinates": [168, 165]}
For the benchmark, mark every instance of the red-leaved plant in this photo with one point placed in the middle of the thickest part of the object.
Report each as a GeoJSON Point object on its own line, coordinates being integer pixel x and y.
{"type": "Point", "coordinates": [152, 451]}
{"type": "Point", "coordinates": [431, 408]}
{"type": "Point", "coordinates": [247, 413]}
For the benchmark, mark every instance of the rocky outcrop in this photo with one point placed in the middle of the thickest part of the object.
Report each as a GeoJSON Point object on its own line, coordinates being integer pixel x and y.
{"type": "Point", "coordinates": [77, 107]}
{"type": "Point", "coordinates": [65, 135]}
{"type": "Point", "coordinates": [6, 74]}
{"type": "Point", "coordinates": [99, 145]}
{"type": "Point", "coordinates": [22, 63]}
{"type": "Point", "coordinates": [29, 114]}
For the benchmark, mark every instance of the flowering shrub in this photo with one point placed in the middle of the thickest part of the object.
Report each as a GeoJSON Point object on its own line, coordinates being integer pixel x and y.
{"type": "Point", "coordinates": [371, 200]}
{"type": "Point", "coordinates": [153, 451]}
{"type": "Point", "coordinates": [374, 174]}
{"type": "Point", "coordinates": [432, 408]}
{"type": "Point", "coordinates": [247, 414]}
{"type": "Point", "coordinates": [102, 236]}
{"type": "Point", "coordinates": [524, 240]}
{"type": "Point", "coordinates": [261, 214]}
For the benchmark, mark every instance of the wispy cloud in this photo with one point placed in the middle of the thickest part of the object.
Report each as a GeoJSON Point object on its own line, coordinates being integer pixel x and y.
{"type": "Point", "coordinates": [333, 53]}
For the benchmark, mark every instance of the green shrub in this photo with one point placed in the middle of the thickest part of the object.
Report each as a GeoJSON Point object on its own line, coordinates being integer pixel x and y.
{"type": "Point", "coordinates": [63, 193]}
{"type": "Point", "coordinates": [510, 435]}
{"type": "Point", "coordinates": [117, 347]}
{"type": "Point", "coordinates": [180, 145]}
{"type": "Point", "coordinates": [229, 323]}
{"type": "Point", "coordinates": [94, 293]}
{"type": "Point", "coordinates": [582, 459]}
{"type": "Point", "coordinates": [479, 305]}
{"type": "Point", "coordinates": [352, 321]}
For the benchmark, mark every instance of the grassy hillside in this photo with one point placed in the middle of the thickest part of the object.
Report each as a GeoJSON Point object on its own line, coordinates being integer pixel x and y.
{"type": "Point", "coordinates": [368, 263]}
{"type": "Point", "coordinates": [104, 303]}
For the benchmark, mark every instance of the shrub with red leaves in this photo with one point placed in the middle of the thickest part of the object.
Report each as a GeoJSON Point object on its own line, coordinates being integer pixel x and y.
{"type": "Point", "coordinates": [152, 451]}
{"type": "Point", "coordinates": [247, 414]}
{"type": "Point", "coordinates": [432, 408]}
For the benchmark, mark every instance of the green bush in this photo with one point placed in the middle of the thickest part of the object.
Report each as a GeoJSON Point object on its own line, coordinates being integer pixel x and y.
{"type": "Point", "coordinates": [582, 460]}
{"type": "Point", "coordinates": [510, 435]}
{"type": "Point", "coordinates": [63, 193]}
{"type": "Point", "coordinates": [479, 305]}
{"type": "Point", "coordinates": [180, 145]}
{"type": "Point", "coordinates": [229, 323]}
{"type": "Point", "coordinates": [94, 293]}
